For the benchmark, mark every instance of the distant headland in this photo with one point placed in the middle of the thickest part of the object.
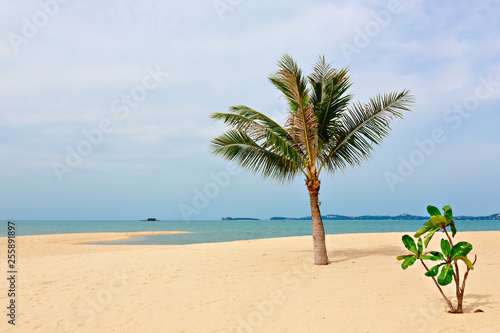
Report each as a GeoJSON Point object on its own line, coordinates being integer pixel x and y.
{"type": "Point", "coordinates": [386, 217]}
{"type": "Point", "coordinates": [365, 217]}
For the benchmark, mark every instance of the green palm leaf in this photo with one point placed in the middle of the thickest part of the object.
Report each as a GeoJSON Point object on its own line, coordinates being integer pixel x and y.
{"type": "Point", "coordinates": [237, 146]}
{"type": "Point", "coordinates": [328, 97]}
{"type": "Point", "coordinates": [362, 126]}
{"type": "Point", "coordinates": [290, 81]}
{"type": "Point", "coordinates": [261, 129]}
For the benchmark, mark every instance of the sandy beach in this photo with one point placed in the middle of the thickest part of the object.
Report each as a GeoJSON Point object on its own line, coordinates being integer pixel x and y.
{"type": "Point", "coordinates": [267, 285]}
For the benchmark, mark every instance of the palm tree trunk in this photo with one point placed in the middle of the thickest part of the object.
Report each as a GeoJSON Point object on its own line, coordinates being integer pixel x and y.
{"type": "Point", "coordinates": [318, 231]}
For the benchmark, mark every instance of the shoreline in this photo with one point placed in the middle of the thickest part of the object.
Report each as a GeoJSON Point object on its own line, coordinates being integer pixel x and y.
{"type": "Point", "coordinates": [117, 236]}
{"type": "Point", "coordinates": [90, 238]}
{"type": "Point", "coordinates": [216, 231]}
{"type": "Point", "coordinates": [76, 243]}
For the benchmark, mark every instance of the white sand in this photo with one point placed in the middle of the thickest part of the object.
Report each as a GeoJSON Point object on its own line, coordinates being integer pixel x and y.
{"type": "Point", "coordinates": [267, 285]}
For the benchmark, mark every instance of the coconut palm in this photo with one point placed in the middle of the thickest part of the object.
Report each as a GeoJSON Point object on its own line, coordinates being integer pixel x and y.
{"type": "Point", "coordinates": [323, 131]}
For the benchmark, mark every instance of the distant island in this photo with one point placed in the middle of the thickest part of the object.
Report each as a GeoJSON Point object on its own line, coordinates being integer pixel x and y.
{"type": "Point", "coordinates": [364, 217]}
{"type": "Point", "coordinates": [151, 219]}
{"type": "Point", "coordinates": [385, 217]}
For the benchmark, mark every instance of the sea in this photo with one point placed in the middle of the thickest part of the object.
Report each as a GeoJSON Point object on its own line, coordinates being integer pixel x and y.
{"type": "Point", "coordinates": [224, 230]}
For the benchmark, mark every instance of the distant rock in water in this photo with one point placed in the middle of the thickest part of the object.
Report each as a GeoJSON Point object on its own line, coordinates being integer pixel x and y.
{"type": "Point", "coordinates": [150, 219]}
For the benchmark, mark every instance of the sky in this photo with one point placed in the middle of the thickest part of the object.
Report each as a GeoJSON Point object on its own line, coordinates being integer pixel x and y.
{"type": "Point", "coordinates": [105, 105]}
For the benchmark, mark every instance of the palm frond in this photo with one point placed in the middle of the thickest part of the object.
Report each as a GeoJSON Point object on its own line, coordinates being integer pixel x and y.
{"type": "Point", "coordinates": [328, 98]}
{"type": "Point", "coordinates": [290, 81]}
{"type": "Point", "coordinates": [361, 127]}
{"type": "Point", "coordinates": [237, 146]}
{"type": "Point", "coordinates": [262, 130]}
{"type": "Point", "coordinates": [302, 128]}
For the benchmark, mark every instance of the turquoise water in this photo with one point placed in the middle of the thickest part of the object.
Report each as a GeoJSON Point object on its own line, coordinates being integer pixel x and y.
{"type": "Point", "coordinates": [224, 231]}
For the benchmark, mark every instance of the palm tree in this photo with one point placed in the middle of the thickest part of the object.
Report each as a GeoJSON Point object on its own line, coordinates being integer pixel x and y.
{"type": "Point", "coordinates": [323, 131]}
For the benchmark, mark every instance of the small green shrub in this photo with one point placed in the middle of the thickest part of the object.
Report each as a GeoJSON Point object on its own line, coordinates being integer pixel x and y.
{"type": "Point", "coordinates": [446, 270]}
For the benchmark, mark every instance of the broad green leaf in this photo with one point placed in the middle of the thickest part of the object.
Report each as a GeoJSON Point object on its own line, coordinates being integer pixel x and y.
{"type": "Point", "coordinates": [433, 258]}
{"type": "Point", "coordinates": [438, 255]}
{"type": "Point", "coordinates": [429, 224]}
{"type": "Point", "coordinates": [438, 219]}
{"type": "Point", "coordinates": [404, 256]}
{"type": "Point", "coordinates": [445, 247]}
{"type": "Point", "coordinates": [446, 275]}
{"type": "Point", "coordinates": [421, 231]}
{"type": "Point", "coordinates": [453, 229]}
{"type": "Point", "coordinates": [408, 262]}
{"type": "Point", "coordinates": [433, 271]}
{"type": "Point", "coordinates": [419, 246]}
{"type": "Point", "coordinates": [429, 236]}
{"type": "Point", "coordinates": [460, 250]}
{"type": "Point", "coordinates": [433, 210]}
{"type": "Point", "coordinates": [448, 213]}
{"type": "Point", "coordinates": [409, 243]}
{"type": "Point", "coordinates": [466, 261]}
